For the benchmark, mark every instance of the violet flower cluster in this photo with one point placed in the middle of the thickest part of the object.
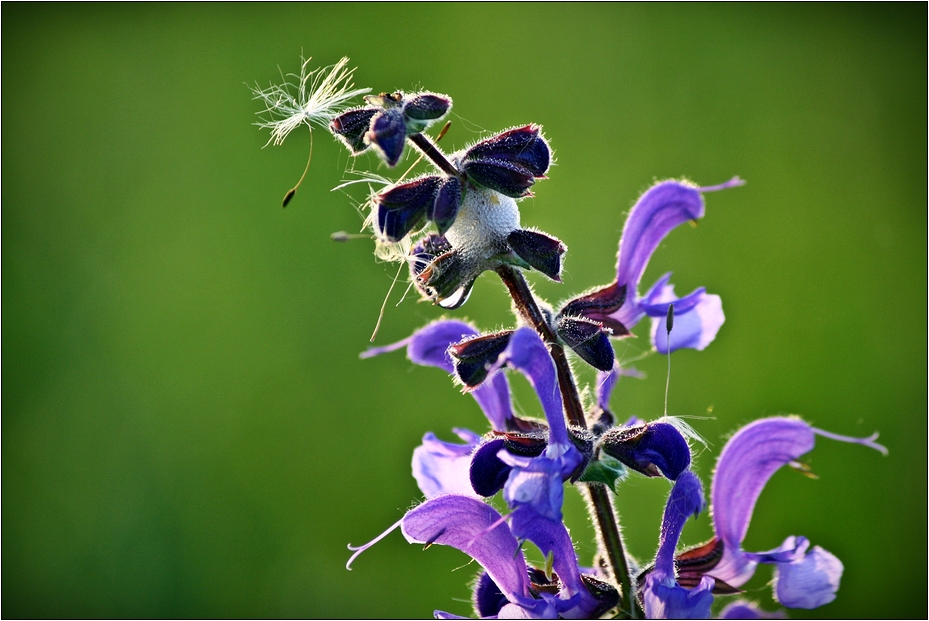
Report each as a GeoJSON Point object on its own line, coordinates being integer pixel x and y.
{"type": "Point", "coordinates": [463, 219]}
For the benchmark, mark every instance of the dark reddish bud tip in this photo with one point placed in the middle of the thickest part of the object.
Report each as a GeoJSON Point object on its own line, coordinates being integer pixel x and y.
{"type": "Point", "coordinates": [402, 208]}
{"type": "Point", "coordinates": [598, 305]}
{"type": "Point", "coordinates": [474, 357]}
{"type": "Point", "coordinates": [351, 126]}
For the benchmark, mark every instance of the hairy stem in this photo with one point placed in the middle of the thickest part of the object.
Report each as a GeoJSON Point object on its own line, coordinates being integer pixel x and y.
{"type": "Point", "coordinates": [435, 154]}
{"type": "Point", "coordinates": [596, 494]}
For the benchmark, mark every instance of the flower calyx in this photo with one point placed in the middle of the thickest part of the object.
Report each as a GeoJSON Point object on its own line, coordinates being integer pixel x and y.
{"type": "Point", "coordinates": [653, 449]}
{"type": "Point", "coordinates": [387, 121]}
{"type": "Point", "coordinates": [509, 162]}
{"type": "Point", "coordinates": [402, 208]}
{"type": "Point", "coordinates": [476, 356]}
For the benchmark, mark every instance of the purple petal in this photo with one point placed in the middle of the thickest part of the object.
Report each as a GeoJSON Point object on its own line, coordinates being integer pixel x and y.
{"type": "Point", "coordinates": [793, 549]}
{"type": "Point", "coordinates": [443, 467]}
{"type": "Point", "coordinates": [665, 599]}
{"type": "Point", "coordinates": [697, 319]}
{"type": "Point", "coordinates": [656, 300]}
{"type": "Point", "coordinates": [657, 212]}
{"type": "Point", "coordinates": [551, 537]}
{"type": "Point", "coordinates": [528, 354]}
{"type": "Point", "coordinates": [543, 609]}
{"type": "Point", "coordinates": [537, 486]}
{"type": "Point", "coordinates": [745, 465]}
{"type": "Point", "coordinates": [429, 345]}
{"type": "Point", "coordinates": [869, 441]}
{"type": "Point", "coordinates": [748, 610]}
{"type": "Point", "coordinates": [474, 528]}
{"type": "Point", "coordinates": [685, 500]}
{"type": "Point", "coordinates": [809, 582]}
{"type": "Point", "coordinates": [732, 183]}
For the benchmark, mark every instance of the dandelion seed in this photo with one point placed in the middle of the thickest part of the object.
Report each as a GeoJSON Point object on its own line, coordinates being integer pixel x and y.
{"type": "Point", "coordinates": [321, 94]}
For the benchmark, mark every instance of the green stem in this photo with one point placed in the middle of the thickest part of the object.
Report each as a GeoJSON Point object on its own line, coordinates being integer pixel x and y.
{"type": "Point", "coordinates": [596, 494]}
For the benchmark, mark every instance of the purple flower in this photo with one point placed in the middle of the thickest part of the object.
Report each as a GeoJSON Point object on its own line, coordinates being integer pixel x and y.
{"type": "Point", "coordinates": [536, 483]}
{"type": "Point", "coordinates": [742, 609]}
{"type": "Point", "coordinates": [805, 578]}
{"type": "Point", "coordinates": [478, 530]}
{"type": "Point", "coordinates": [619, 307]}
{"type": "Point", "coordinates": [444, 467]}
{"type": "Point", "coordinates": [662, 596]}
{"type": "Point", "coordinates": [657, 448]}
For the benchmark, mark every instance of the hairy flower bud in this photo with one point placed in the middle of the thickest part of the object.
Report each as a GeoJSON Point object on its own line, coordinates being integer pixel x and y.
{"type": "Point", "coordinates": [388, 135]}
{"type": "Point", "coordinates": [588, 340]}
{"type": "Point", "coordinates": [474, 357]}
{"type": "Point", "coordinates": [350, 127]}
{"type": "Point", "coordinates": [387, 121]}
{"type": "Point", "coordinates": [539, 250]}
{"type": "Point", "coordinates": [654, 449]}
{"type": "Point", "coordinates": [509, 162]}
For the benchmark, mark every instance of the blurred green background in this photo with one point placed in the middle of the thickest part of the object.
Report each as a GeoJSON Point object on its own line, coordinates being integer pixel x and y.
{"type": "Point", "coordinates": [187, 428]}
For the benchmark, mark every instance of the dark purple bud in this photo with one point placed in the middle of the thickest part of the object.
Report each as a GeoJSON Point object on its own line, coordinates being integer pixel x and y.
{"type": "Point", "coordinates": [523, 146]}
{"type": "Point", "coordinates": [427, 106]}
{"type": "Point", "coordinates": [543, 252]}
{"type": "Point", "coordinates": [588, 340]}
{"type": "Point", "coordinates": [402, 207]}
{"type": "Point", "coordinates": [606, 595]}
{"type": "Point", "coordinates": [388, 134]}
{"type": "Point", "coordinates": [447, 201]}
{"type": "Point", "coordinates": [488, 472]}
{"type": "Point", "coordinates": [505, 177]}
{"type": "Point", "coordinates": [509, 162]}
{"type": "Point", "coordinates": [652, 449]}
{"type": "Point", "coordinates": [425, 251]}
{"type": "Point", "coordinates": [474, 357]}
{"type": "Point", "coordinates": [598, 305]}
{"type": "Point", "coordinates": [488, 600]}
{"type": "Point", "coordinates": [447, 280]}
{"type": "Point", "coordinates": [351, 126]}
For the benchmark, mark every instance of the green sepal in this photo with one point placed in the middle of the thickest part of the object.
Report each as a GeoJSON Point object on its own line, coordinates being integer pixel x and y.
{"type": "Point", "coordinates": [607, 470]}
